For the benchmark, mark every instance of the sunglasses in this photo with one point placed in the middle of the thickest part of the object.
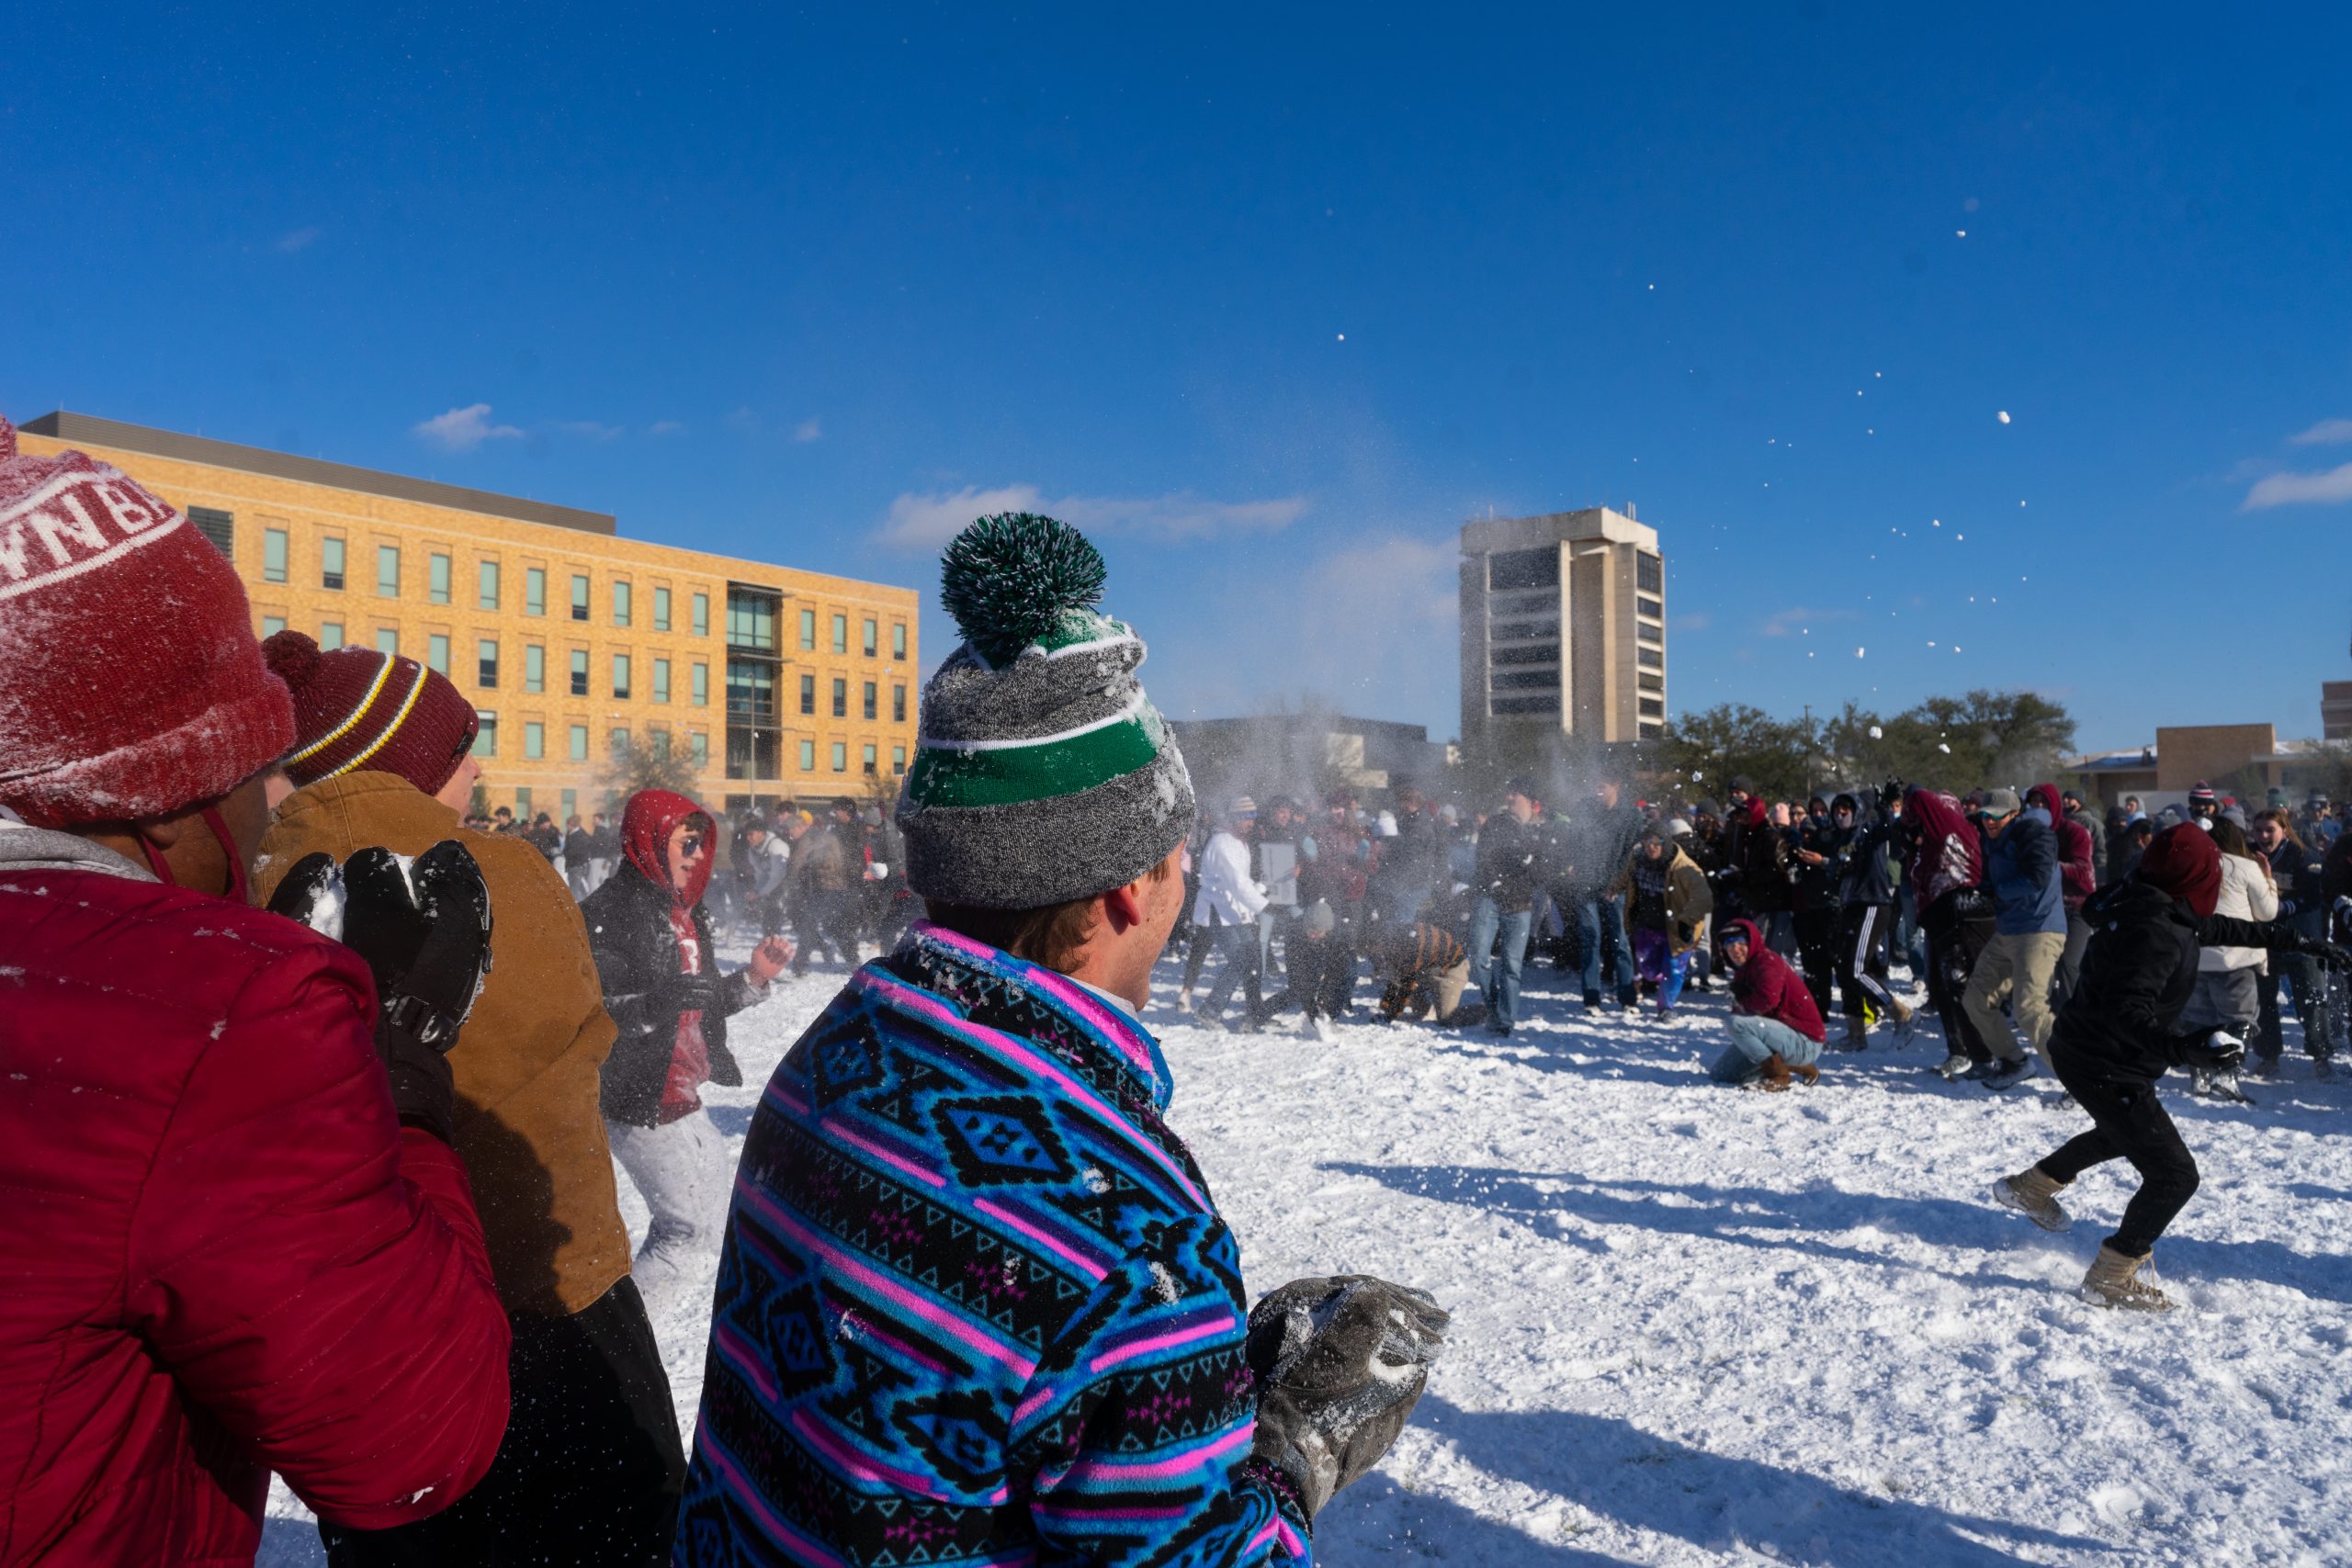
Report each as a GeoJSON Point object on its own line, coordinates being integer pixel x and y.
{"type": "Point", "coordinates": [691, 844]}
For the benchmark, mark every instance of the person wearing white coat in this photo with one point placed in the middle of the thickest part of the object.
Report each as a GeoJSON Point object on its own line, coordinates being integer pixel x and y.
{"type": "Point", "coordinates": [1224, 915]}
{"type": "Point", "coordinates": [2227, 996]}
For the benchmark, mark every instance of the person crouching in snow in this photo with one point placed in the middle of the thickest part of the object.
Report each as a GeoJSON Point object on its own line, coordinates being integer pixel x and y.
{"type": "Point", "coordinates": [1424, 970]}
{"type": "Point", "coordinates": [651, 937]}
{"type": "Point", "coordinates": [976, 1302]}
{"type": "Point", "coordinates": [2119, 1033]}
{"type": "Point", "coordinates": [1667, 902]}
{"type": "Point", "coordinates": [1776, 1031]}
{"type": "Point", "coordinates": [592, 1463]}
{"type": "Point", "coordinates": [237, 1239]}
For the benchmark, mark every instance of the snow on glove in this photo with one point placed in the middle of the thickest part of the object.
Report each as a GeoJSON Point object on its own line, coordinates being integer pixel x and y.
{"type": "Point", "coordinates": [1340, 1362]}
{"type": "Point", "coordinates": [424, 928]}
{"type": "Point", "coordinates": [2218, 1052]}
{"type": "Point", "coordinates": [2329, 954]}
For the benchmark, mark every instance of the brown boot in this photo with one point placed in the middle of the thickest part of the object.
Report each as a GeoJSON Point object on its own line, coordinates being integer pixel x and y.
{"type": "Point", "coordinates": [1806, 1073]}
{"type": "Point", "coordinates": [2035, 1196]}
{"type": "Point", "coordinates": [2114, 1281]}
{"type": "Point", "coordinates": [1776, 1074]}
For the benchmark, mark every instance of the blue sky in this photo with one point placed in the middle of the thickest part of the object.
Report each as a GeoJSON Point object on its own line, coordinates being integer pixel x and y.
{"type": "Point", "coordinates": [1272, 298]}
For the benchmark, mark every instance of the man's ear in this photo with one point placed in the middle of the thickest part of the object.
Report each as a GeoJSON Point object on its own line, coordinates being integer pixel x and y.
{"type": "Point", "coordinates": [1125, 906]}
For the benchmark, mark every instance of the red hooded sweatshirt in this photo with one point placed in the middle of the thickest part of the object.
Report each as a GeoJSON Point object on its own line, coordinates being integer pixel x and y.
{"type": "Point", "coordinates": [1949, 853]}
{"type": "Point", "coordinates": [2077, 869]}
{"type": "Point", "coordinates": [1767, 987]}
{"type": "Point", "coordinates": [646, 826]}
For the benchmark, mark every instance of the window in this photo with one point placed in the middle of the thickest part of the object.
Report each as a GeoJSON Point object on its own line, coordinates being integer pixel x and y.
{"type": "Point", "coordinates": [867, 759]}
{"type": "Point", "coordinates": [898, 704]}
{"type": "Point", "coordinates": [841, 634]}
{"type": "Point", "coordinates": [1653, 708]}
{"type": "Point", "coordinates": [1649, 657]}
{"type": "Point", "coordinates": [660, 609]}
{"type": "Point", "coordinates": [579, 672]}
{"type": "Point", "coordinates": [535, 740]}
{"type": "Point", "coordinates": [750, 690]}
{"type": "Point", "coordinates": [660, 680]}
{"type": "Point", "coordinates": [750, 619]}
{"type": "Point", "coordinates": [486, 657]}
{"type": "Point", "coordinates": [486, 587]}
{"type": "Point", "coordinates": [750, 753]}
{"type": "Point", "coordinates": [808, 629]}
{"type": "Point", "coordinates": [700, 749]}
{"type": "Point", "coordinates": [579, 598]}
{"type": "Point", "coordinates": [1515, 631]}
{"type": "Point", "coordinates": [872, 637]}
{"type": "Point", "coordinates": [1548, 703]}
{"type": "Point", "coordinates": [702, 615]}
{"type": "Point", "coordinates": [620, 677]}
{"type": "Point", "coordinates": [869, 694]}
{"type": "Point", "coordinates": [1533, 653]}
{"type": "Point", "coordinates": [436, 653]}
{"type": "Point", "coordinates": [807, 756]}
{"type": "Point", "coordinates": [841, 756]}
{"type": "Point", "coordinates": [486, 737]}
{"type": "Point", "coordinates": [1507, 569]}
{"type": "Point", "coordinates": [534, 590]}
{"type": "Point", "coordinates": [620, 604]}
{"type": "Point", "coordinates": [579, 743]}
{"type": "Point", "coordinates": [571, 803]}
{"type": "Point", "coordinates": [657, 737]}
{"type": "Point", "coordinates": [616, 743]}
{"type": "Point", "coordinates": [1525, 679]}
{"type": "Point", "coordinates": [1652, 731]}
{"type": "Point", "coordinates": [331, 634]}
{"type": "Point", "coordinates": [272, 625]}
{"type": "Point", "coordinates": [1649, 573]}
{"type": "Point", "coordinates": [522, 805]}
{"type": "Point", "coordinates": [535, 667]}
{"type": "Point", "coordinates": [387, 640]}
{"type": "Point", "coordinates": [840, 697]}
{"type": "Point", "coordinates": [809, 694]}
{"type": "Point", "coordinates": [1649, 683]}
{"type": "Point", "coordinates": [388, 572]}
{"type": "Point", "coordinates": [1650, 607]}
{"type": "Point", "coordinates": [331, 564]}
{"type": "Point", "coordinates": [899, 640]}
{"type": "Point", "coordinates": [218, 526]}
{"type": "Point", "coordinates": [273, 555]}
{"type": "Point", "coordinates": [437, 579]}
{"type": "Point", "coordinates": [702, 686]}
{"type": "Point", "coordinates": [898, 759]}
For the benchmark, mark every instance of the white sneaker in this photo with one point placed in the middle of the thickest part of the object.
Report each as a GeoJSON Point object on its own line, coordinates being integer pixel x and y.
{"type": "Point", "coordinates": [1954, 1065]}
{"type": "Point", "coordinates": [1183, 1001]}
{"type": "Point", "coordinates": [1320, 1027]}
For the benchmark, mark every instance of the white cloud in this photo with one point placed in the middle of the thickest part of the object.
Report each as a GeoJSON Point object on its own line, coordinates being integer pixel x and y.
{"type": "Point", "coordinates": [2289, 490]}
{"type": "Point", "coordinates": [296, 240]}
{"type": "Point", "coordinates": [665, 427]}
{"type": "Point", "coordinates": [462, 430]}
{"type": "Point", "coordinates": [806, 429]}
{"type": "Point", "coordinates": [2326, 433]}
{"type": "Point", "coordinates": [590, 429]}
{"type": "Point", "coordinates": [926, 521]}
{"type": "Point", "coordinates": [1797, 619]}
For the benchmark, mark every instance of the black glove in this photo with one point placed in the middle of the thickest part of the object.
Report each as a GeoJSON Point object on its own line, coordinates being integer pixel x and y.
{"type": "Point", "coordinates": [1891, 793]}
{"type": "Point", "coordinates": [2329, 955]}
{"type": "Point", "coordinates": [1340, 1362]}
{"type": "Point", "coordinates": [1685, 932]}
{"type": "Point", "coordinates": [687, 993]}
{"type": "Point", "coordinates": [424, 933]}
{"type": "Point", "coordinates": [2218, 1053]}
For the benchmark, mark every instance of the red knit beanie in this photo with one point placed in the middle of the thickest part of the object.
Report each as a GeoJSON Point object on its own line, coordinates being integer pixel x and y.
{"type": "Point", "coordinates": [130, 684]}
{"type": "Point", "coordinates": [2184, 861]}
{"type": "Point", "coordinates": [356, 708]}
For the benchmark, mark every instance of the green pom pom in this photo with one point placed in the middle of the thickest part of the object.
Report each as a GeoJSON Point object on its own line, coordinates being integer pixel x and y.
{"type": "Point", "coordinates": [1008, 580]}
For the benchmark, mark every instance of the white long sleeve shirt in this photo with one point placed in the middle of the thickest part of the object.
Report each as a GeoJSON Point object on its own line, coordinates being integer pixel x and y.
{"type": "Point", "coordinates": [2246, 893]}
{"type": "Point", "coordinates": [1227, 896]}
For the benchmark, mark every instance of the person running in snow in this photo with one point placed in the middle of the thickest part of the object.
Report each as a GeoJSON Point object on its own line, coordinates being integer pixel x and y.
{"type": "Point", "coordinates": [1666, 901]}
{"type": "Point", "coordinates": [1943, 860]}
{"type": "Point", "coordinates": [2029, 935]}
{"type": "Point", "coordinates": [658, 968]}
{"type": "Point", "coordinates": [237, 1238]}
{"type": "Point", "coordinates": [976, 1300]}
{"type": "Point", "coordinates": [592, 1464]}
{"type": "Point", "coordinates": [1866, 918]}
{"type": "Point", "coordinates": [1776, 1032]}
{"type": "Point", "coordinates": [1224, 915]}
{"type": "Point", "coordinates": [2119, 1033]}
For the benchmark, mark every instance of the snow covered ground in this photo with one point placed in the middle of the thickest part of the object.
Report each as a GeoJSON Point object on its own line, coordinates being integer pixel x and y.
{"type": "Point", "coordinates": [1698, 1326]}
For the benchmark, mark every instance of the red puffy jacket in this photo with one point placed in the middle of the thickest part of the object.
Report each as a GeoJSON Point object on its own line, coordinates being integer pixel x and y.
{"type": "Point", "coordinates": [220, 1253]}
{"type": "Point", "coordinates": [1766, 986]}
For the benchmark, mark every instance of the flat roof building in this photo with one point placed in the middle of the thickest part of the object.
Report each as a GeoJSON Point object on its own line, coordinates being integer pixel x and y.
{"type": "Point", "coordinates": [1563, 628]}
{"type": "Point", "coordinates": [572, 642]}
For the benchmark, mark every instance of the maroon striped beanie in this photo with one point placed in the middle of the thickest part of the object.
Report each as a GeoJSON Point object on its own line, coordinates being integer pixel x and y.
{"type": "Point", "coordinates": [130, 684]}
{"type": "Point", "coordinates": [357, 709]}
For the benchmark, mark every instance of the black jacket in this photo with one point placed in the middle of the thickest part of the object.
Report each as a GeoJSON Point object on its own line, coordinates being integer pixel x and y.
{"type": "Point", "coordinates": [636, 955]}
{"type": "Point", "coordinates": [1865, 874]}
{"type": "Point", "coordinates": [1514, 858]}
{"type": "Point", "coordinates": [2137, 976]}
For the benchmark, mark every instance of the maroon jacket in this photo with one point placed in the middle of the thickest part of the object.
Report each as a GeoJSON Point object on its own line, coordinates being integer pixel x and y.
{"type": "Point", "coordinates": [2077, 872]}
{"type": "Point", "coordinates": [1767, 987]}
{"type": "Point", "coordinates": [220, 1253]}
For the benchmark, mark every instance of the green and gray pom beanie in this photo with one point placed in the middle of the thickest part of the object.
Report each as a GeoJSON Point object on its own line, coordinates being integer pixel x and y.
{"type": "Point", "coordinates": [1042, 773]}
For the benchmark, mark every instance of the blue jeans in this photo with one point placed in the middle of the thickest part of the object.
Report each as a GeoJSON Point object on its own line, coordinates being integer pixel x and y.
{"type": "Point", "coordinates": [1656, 959]}
{"type": "Point", "coordinates": [1500, 980]}
{"type": "Point", "coordinates": [1597, 919]}
{"type": "Point", "coordinates": [1237, 946]}
{"type": "Point", "coordinates": [1753, 1039]}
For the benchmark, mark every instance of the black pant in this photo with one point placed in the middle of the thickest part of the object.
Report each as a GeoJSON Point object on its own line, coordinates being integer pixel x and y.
{"type": "Point", "coordinates": [2127, 1123]}
{"type": "Point", "coordinates": [590, 1470]}
{"type": "Point", "coordinates": [1862, 957]}
{"type": "Point", "coordinates": [1958, 930]}
{"type": "Point", "coordinates": [1817, 953]}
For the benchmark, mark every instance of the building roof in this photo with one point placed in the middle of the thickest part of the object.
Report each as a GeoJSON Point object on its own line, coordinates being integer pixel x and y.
{"type": "Point", "coordinates": [1481, 536]}
{"type": "Point", "coordinates": [65, 427]}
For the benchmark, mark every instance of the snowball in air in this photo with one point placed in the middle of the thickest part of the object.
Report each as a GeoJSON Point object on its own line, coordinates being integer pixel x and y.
{"type": "Point", "coordinates": [2005, 416]}
{"type": "Point", "coordinates": [1876, 733]}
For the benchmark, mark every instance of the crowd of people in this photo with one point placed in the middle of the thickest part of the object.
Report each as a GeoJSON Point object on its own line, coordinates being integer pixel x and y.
{"type": "Point", "coordinates": [319, 1087]}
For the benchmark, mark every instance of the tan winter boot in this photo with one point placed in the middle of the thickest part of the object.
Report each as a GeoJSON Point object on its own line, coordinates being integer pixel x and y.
{"type": "Point", "coordinates": [2034, 1195]}
{"type": "Point", "coordinates": [2114, 1281]}
{"type": "Point", "coordinates": [1804, 1073]}
{"type": "Point", "coordinates": [1776, 1074]}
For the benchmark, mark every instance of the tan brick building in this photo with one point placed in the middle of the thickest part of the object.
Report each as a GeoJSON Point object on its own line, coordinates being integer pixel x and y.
{"type": "Point", "coordinates": [572, 641]}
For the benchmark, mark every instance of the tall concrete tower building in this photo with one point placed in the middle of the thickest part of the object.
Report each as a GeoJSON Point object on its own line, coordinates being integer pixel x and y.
{"type": "Point", "coordinates": [1563, 628]}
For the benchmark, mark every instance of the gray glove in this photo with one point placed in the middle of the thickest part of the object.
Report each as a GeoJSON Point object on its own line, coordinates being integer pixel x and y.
{"type": "Point", "coordinates": [1340, 1363]}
